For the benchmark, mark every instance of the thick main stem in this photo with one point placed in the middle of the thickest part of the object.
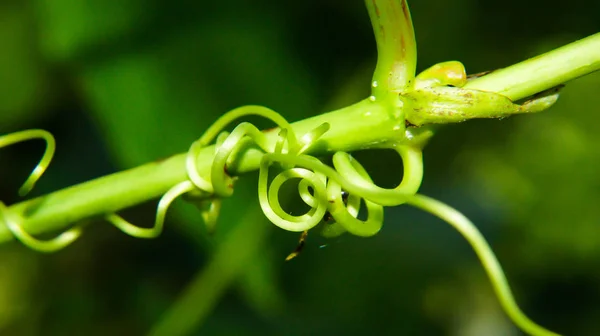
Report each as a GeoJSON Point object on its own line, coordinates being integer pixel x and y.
{"type": "Point", "coordinates": [544, 71]}
{"type": "Point", "coordinates": [396, 46]}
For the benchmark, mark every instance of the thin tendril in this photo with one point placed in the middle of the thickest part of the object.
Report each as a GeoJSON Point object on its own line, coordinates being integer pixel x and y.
{"type": "Point", "coordinates": [161, 212]}
{"type": "Point", "coordinates": [51, 245]}
{"type": "Point", "coordinates": [221, 184]}
{"type": "Point", "coordinates": [489, 261]}
{"type": "Point", "coordinates": [272, 209]}
{"type": "Point", "coordinates": [215, 129]}
{"type": "Point", "coordinates": [412, 159]}
{"type": "Point", "coordinates": [12, 222]}
{"type": "Point", "coordinates": [346, 176]}
{"type": "Point", "coordinates": [42, 165]}
{"type": "Point", "coordinates": [346, 218]}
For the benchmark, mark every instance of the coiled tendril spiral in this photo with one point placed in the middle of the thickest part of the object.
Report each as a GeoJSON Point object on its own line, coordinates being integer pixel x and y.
{"type": "Point", "coordinates": [320, 187]}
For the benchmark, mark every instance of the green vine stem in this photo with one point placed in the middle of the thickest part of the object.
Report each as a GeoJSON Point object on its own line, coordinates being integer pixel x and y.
{"type": "Point", "coordinates": [399, 101]}
{"type": "Point", "coordinates": [367, 120]}
{"type": "Point", "coordinates": [396, 46]}
{"type": "Point", "coordinates": [543, 72]}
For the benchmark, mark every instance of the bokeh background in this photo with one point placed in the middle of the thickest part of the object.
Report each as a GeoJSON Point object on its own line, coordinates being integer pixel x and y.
{"type": "Point", "coordinates": [122, 83]}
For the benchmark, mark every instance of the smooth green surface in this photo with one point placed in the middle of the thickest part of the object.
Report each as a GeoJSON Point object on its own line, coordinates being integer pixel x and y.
{"type": "Point", "coordinates": [396, 46]}
{"type": "Point", "coordinates": [545, 71]}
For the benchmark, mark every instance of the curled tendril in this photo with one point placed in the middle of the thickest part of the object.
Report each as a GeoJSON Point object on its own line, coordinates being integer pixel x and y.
{"type": "Point", "coordinates": [164, 203]}
{"type": "Point", "coordinates": [213, 132]}
{"type": "Point", "coordinates": [350, 176]}
{"type": "Point", "coordinates": [316, 200]}
{"type": "Point", "coordinates": [220, 184]}
{"type": "Point", "coordinates": [11, 222]}
{"type": "Point", "coordinates": [40, 168]}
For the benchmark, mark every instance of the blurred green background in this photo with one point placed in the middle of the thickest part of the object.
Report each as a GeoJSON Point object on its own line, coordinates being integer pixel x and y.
{"type": "Point", "coordinates": [122, 83]}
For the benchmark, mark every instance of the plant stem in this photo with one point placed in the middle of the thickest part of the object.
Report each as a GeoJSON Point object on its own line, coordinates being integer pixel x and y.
{"type": "Point", "coordinates": [396, 46]}
{"type": "Point", "coordinates": [544, 71]}
{"type": "Point", "coordinates": [360, 126]}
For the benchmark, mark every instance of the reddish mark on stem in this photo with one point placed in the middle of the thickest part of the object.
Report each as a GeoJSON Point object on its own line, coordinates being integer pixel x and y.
{"type": "Point", "coordinates": [405, 10]}
{"type": "Point", "coordinates": [406, 21]}
{"type": "Point", "coordinates": [225, 170]}
{"type": "Point", "coordinates": [376, 8]}
{"type": "Point", "coordinates": [402, 44]}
